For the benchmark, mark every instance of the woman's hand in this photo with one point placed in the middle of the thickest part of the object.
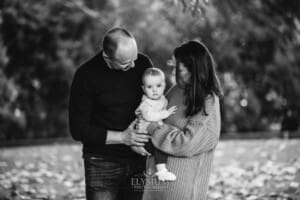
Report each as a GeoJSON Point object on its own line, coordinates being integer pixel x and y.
{"type": "Point", "coordinates": [140, 150]}
{"type": "Point", "coordinates": [131, 137]}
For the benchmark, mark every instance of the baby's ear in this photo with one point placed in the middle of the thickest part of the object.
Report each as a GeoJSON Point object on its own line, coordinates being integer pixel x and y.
{"type": "Point", "coordinates": [143, 87]}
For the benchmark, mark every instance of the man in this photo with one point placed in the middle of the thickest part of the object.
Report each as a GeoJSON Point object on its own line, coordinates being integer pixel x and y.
{"type": "Point", "coordinates": [105, 92]}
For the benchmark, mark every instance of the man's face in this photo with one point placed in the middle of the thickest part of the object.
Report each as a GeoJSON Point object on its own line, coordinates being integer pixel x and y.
{"type": "Point", "coordinates": [124, 56]}
{"type": "Point", "coordinates": [154, 86]}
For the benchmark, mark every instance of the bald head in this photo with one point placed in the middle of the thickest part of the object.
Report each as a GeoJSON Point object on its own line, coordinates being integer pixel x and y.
{"type": "Point", "coordinates": [117, 38]}
{"type": "Point", "coordinates": [120, 46]}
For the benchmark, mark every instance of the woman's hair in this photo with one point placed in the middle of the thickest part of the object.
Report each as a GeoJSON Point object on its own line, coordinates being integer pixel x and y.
{"type": "Point", "coordinates": [153, 72]}
{"type": "Point", "coordinates": [196, 57]}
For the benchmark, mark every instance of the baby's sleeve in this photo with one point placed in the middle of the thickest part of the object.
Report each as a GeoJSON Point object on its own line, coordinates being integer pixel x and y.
{"type": "Point", "coordinates": [149, 114]}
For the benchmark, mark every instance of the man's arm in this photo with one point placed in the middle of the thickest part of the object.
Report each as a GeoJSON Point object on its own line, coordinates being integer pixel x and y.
{"type": "Point", "coordinates": [80, 109]}
{"type": "Point", "coordinates": [128, 137]}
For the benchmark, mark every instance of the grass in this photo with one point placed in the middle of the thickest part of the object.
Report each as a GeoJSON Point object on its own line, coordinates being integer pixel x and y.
{"type": "Point", "coordinates": [243, 169]}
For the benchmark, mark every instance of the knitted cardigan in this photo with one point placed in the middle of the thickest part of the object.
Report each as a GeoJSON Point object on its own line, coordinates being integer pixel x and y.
{"type": "Point", "coordinates": [190, 143]}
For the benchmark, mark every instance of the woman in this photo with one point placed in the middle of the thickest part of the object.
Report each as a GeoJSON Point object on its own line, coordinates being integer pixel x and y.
{"type": "Point", "coordinates": [190, 135]}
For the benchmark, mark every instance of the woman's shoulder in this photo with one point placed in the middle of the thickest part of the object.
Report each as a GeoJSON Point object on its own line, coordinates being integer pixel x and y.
{"type": "Point", "coordinates": [211, 100]}
{"type": "Point", "coordinates": [173, 90]}
{"type": "Point", "coordinates": [212, 107]}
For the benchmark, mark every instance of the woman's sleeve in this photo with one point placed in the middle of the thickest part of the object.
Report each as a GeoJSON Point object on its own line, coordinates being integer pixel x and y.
{"type": "Point", "coordinates": [201, 133]}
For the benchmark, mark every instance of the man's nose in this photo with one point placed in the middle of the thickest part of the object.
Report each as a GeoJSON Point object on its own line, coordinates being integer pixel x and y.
{"type": "Point", "coordinates": [131, 64]}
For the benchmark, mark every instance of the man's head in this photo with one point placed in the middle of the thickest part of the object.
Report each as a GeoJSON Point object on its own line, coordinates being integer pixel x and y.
{"type": "Point", "coordinates": [120, 49]}
{"type": "Point", "coordinates": [154, 83]}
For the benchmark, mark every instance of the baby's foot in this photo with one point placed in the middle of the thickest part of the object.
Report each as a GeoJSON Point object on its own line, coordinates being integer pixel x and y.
{"type": "Point", "coordinates": [165, 175]}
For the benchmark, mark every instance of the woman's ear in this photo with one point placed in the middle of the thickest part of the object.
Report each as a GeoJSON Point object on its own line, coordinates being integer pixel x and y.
{"type": "Point", "coordinates": [143, 87]}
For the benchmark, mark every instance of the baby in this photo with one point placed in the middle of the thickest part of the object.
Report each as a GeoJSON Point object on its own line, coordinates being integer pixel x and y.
{"type": "Point", "coordinates": [153, 108]}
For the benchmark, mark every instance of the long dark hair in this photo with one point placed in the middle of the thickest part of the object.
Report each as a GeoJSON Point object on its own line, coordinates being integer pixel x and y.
{"type": "Point", "coordinates": [196, 57]}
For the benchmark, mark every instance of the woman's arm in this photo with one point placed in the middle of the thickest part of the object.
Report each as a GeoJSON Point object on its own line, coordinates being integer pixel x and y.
{"type": "Point", "coordinates": [200, 134]}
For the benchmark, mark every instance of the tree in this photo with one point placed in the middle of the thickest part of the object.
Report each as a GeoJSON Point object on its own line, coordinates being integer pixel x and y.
{"type": "Point", "coordinates": [44, 42]}
{"type": "Point", "coordinates": [258, 42]}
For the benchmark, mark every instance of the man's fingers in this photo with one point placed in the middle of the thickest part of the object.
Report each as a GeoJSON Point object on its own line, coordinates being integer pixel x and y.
{"type": "Point", "coordinates": [146, 153]}
{"type": "Point", "coordinates": [132, 125]}
{"type": "Point", "coordinates": [140, 150]}
{"type": "Point", "coordinates": [138, 143]}
{"type": "Point", "coordinates": [143, 136]}
{"type": "Point", "coordinates": [141, 140]}
{"type": "Point", "coordinates": [143, 151]}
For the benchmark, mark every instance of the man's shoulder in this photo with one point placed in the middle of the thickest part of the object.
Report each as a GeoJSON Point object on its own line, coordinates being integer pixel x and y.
{"type": "Point", "coordinates": [90, 65]}
{"type": "Point", "coordinates": [145, 59]}
{"type": "Point", "coordinates": [142, 55]}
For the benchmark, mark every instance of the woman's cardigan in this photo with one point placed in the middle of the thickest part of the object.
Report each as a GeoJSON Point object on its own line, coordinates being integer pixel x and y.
{"type": "Point", "coordinates": [190, 143]}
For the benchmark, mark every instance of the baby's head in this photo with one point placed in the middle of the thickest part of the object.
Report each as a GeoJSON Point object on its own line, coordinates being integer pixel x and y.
{"type": "Point", "coordinates": [154, 83]}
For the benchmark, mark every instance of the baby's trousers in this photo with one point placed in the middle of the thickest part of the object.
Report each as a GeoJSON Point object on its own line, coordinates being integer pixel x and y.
{"type": "Point", "coordinates": [159, 156]}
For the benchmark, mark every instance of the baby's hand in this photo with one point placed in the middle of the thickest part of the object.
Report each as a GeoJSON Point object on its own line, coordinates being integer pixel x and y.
{"type": "Point", "coordinates": [172, 110]}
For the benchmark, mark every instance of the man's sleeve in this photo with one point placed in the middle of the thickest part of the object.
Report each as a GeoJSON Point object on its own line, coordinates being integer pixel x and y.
{"type": "Point", "coordinates": [80, 109]}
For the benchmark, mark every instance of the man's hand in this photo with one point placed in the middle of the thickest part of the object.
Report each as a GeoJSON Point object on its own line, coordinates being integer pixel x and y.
{"type": "Point", "coordinates": [141, 126]}
{"type": "Point", "coordinates": [140, 150]}
{"type": "Point", "coordinates": [130, 137]}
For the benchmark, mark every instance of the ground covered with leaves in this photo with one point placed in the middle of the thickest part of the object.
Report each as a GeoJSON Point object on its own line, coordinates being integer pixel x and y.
{"type": "Point", "coordinates": [243, 169]}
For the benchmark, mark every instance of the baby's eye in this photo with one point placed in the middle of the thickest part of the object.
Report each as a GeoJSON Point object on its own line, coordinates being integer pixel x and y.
{"type": "Point", "coordinates": [159, 85]}
{"type": "Point", "coordinates": [149, 87]}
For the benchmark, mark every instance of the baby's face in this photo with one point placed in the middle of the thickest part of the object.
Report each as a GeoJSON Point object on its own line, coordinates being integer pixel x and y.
{"type": "Point", "coordinates": [154, 86]}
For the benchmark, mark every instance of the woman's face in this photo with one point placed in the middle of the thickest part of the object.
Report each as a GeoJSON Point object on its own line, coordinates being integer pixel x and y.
{"type": "Point", "coordinates": [183, 75]}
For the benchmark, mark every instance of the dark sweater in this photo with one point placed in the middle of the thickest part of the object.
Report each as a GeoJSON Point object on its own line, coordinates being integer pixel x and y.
{"type": "Point", "coordinates": [104, 99]}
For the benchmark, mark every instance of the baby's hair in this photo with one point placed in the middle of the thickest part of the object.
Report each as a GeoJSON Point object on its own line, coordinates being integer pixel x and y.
{"type": "Point", "coordinates": [153, 72]}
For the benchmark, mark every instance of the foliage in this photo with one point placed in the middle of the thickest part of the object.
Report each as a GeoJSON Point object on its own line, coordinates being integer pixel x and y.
{"type": "Point", "coordinates": [271, 171]}
{"type": "Point", "coordinates": [256, 45]}
{"type": "Point", "coordinates": [43, 41]}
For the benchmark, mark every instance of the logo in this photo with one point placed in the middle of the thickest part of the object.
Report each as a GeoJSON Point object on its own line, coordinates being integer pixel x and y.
{"type": "Point", "coordinates": [148, 181]}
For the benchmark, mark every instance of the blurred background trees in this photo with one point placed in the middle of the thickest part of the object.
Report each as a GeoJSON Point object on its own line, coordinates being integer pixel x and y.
{"type": "Point", "coordinates": [256, 45]}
